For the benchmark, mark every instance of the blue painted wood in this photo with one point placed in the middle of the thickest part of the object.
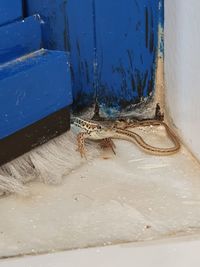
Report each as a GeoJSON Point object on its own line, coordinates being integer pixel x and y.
{"type": "Point", "coordinates": [68, 25]}
{"type": "Point", "coordinates": [53, 13]}
{"type": "Point", "coordinates": [20, 38]}
{"type": "Point", "coordinates": [10, 10]}
{"type": "Point", "coordinates": [127, 42]}
{"type": "Point", "coordinates": [113, 46]}
{"type": "Point", "coordinates": [82, 43]}
{"type": "Point", "coordinates": [33, 88]}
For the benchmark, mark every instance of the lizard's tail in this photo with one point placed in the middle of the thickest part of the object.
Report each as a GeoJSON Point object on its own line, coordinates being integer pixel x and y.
{"type": "Point", "coordinates": [137, 139]}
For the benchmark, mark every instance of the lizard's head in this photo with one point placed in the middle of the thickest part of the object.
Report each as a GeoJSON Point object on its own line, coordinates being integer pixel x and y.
{"type": "Point", "coordinates": [94, 130]}
{"type": "Point", "coordinates": [84, 125]}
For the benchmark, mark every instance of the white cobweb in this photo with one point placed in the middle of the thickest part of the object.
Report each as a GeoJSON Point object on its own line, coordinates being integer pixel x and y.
{"type": "Point", "coordinates": [47, 164]}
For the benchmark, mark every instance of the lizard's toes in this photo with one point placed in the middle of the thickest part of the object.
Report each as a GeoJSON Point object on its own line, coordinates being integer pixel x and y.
{"type": "Point", "coordinates": [82, 152]}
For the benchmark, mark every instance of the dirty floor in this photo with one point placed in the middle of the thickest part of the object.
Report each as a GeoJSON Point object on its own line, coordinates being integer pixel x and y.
{"type": "Point", "coordinates": [130, 196]}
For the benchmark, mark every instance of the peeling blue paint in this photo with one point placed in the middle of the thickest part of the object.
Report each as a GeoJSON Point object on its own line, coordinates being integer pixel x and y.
{"type": "Point", "coordinates": [161, 23]}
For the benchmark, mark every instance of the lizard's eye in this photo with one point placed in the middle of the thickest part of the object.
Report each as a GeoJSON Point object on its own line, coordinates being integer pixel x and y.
{"type": "Point", "coordinates": [99, 127]}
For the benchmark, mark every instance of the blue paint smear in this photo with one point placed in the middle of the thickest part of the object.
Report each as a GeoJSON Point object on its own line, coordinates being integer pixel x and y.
{"type": "Point", "coordinates": [161, 13]}
{"type": "Point", "coordinates": [161, 22]}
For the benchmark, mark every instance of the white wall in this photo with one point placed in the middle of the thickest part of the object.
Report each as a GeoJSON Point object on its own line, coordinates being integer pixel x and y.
{"type": "Point", "coordinates": [182, 68]}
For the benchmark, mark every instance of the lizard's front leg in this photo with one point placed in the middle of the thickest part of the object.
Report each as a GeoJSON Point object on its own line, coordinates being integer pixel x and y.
{"type": "Point", "coordinates": [81, 143]}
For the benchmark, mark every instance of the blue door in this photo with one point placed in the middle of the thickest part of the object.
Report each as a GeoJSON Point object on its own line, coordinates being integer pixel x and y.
{"type": "Point", "coordinates": [113, 44]}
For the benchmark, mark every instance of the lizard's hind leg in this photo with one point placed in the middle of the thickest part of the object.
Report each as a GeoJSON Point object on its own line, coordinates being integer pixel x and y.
{"type": "Point", "coordinates": [108, 143]}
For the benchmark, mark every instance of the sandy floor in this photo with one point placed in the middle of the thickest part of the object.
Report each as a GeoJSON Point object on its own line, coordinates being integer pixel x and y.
{"type": "Point", "coordinates": [130, 196]}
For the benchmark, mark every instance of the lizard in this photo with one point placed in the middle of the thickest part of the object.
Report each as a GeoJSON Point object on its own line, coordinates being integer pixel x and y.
{"type": "Point", "coordinates": [96, 131]}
